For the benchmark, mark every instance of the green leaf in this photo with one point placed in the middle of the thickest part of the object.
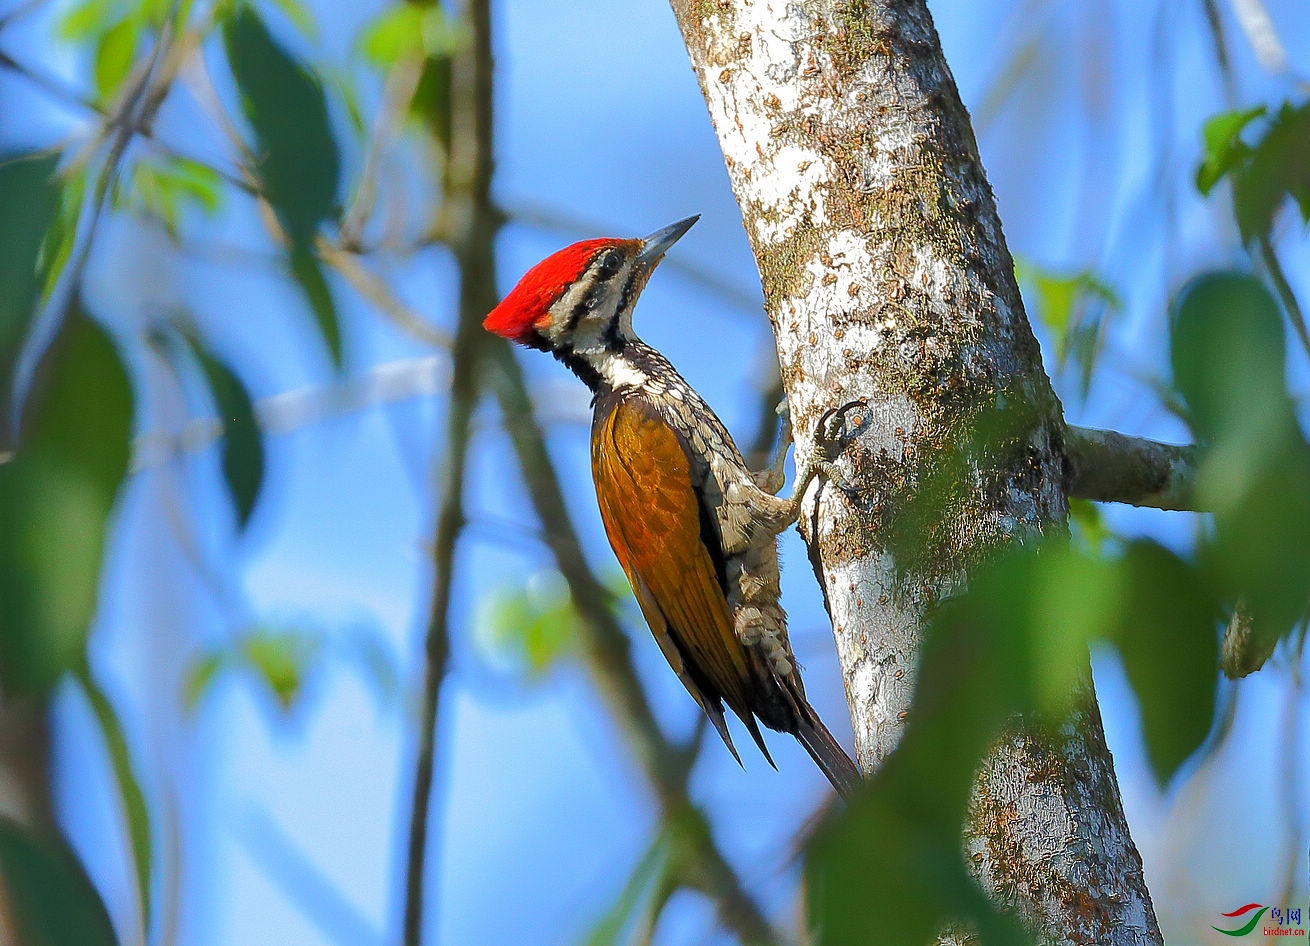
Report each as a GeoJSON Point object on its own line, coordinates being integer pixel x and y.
{"type": "Point", "coordinates": [299, 163]}
{"type": "Point", "coordinates": [646, 876]}
{"type": "Point", "coordinates": [129, 788]}
{"type": "Point", "coordinates": [161, 190]}
{"type": "Point", "coordinates": [200, 676]}
{"type": "Point", "coordinates": [114, 55]}
{"type": "Point", "coordinates": [533, 626]}
{"type": "Point", "coordinates": [56, 495]}
{"type": "Point", "coordinates": [243, 443]}
{"type": "Point", "coordinates": [62, 236]}
{"type": "Point", "coordinates": [1228, 354]}
{"type": "Point", "coordinates": [409, 30]}
{"type": "Point", "coordinates": [1227, 350]}
{"type": "Point", "coordinates": [1074, 309]}
{"type": "Point", "coordinates": [285, 105]}
{"type": "Point", "coordinates": [1279, 168]}
{"type": "Point", "coordinates": [1088, 524]}
{"type": "Point", "coordinates": [51, 897]}
{"type": "Point", "coordinates": [29, 192]}
{"type": "Point", "coordinates": [432, 102]}
{"type": "Point", "coordinates": [1224, 149]}
{"type": "Point", "coordinates": [84, 20]}
{"type": "Point", "coordinates": [308, 274]}
{"type": "Point", "coordinates": [1168, 639]}
{"type": "Point", "coordinates": [280, 660]}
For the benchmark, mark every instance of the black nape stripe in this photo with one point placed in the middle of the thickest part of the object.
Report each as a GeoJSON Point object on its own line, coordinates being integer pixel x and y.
{"type": "Point", "coordinates": [579, 366]}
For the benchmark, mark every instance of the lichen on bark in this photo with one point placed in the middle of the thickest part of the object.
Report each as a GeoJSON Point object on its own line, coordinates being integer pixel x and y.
{"type": "Point", "coordinates": [887, 281]}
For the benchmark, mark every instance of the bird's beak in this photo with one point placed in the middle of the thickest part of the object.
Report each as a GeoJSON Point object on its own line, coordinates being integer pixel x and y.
{"type": "Point", "coordinates": [657, 244]}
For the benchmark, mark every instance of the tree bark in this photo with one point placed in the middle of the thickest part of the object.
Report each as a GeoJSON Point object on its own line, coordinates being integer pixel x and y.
{"type": "Point", "coordinates": [887, 280]}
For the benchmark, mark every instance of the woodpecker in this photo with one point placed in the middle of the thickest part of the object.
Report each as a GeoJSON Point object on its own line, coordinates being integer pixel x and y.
{"type": "Point", "coordinates": [694, 529]}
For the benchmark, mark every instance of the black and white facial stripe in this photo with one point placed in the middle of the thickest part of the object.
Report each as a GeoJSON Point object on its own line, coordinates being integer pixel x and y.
{"type": "Point", "coordinates": [591, 322]}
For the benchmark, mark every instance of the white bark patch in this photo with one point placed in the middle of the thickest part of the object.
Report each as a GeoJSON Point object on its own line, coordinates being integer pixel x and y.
{"type": "Point", "coordinates": [936, 279]}
{"type": "Point", "coordinates": [749, 103]}
{"type": "Point", "coordinates": [880, 671]}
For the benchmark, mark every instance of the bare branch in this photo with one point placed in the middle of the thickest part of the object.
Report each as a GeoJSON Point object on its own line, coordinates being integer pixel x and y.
{"type": "Point", "coordinates": [1110, 467]}
{"type": "Point", "coordinates": [471, 74]}
{"type": "Point", "coordinates": [375, 289]}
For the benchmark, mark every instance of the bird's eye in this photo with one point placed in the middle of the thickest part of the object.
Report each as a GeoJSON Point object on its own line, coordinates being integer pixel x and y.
{"type": "Point", "coordinates": [610, 264]}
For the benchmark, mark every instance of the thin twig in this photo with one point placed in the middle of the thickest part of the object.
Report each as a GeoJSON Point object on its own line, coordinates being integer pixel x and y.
{"type": "Point", "coordinates": [469, 189]}
{"type": "Point", "coordinates": [1284, 289]}
{"type": "Point", "coordinates": [402, 81]}
{"type": "Point", "coordinates": [375, 289]}
{"type": "Point", "coordinates": [450, 522]}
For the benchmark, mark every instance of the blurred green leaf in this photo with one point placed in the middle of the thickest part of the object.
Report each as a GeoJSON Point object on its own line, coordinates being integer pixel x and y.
{"type": "Point", "coordinates": [406, 31]}
{"type": "Point", "coordinates": [243, 442]}
{"type": "Point", "coordinates": [280, 659]}
{"type": "Point", "coordinates": [646, 876]}
{"type": "Point", "coordinates": [1224, 148]}
{"type": "Point", "coordinates": [62, 235]}
{"type": "Point", "coordinates": [285, 105]}
{"type": "Point", "coordinates": [162, 190]}
{"type": "Point", "coordinates": [1074, 309]}
{"type": "Point", "coordinates": [308, 273]}
{"type": "Point", "coordinates": [299, 163]}
{"type": "Point", "coordinates": [29, 192]}
{"type": "Point", "coordinates": [200, 676]}
{"type": "Point", "coordinates": [56, 495]}
{"type": "Point", "coordinates": [129, 788]}
{"type": "Point", "coordinates": [83, 20]}
{"type": "Point", "coordinates": [52, 898]}
{"type": "Point", "coordinates": [1228, 355]}
{"type": "Point", "coordinates": [1263, 174]}
{"type": "Point", "coordinates": [1168, 636]}
{"type": "Point", "coordinates": [1279, 168]}
{"type": "Point", "coordinates": [1089, 524]}
{"type": "Point", "coordinates": [432, 104]}
{"type": "Point", "coordinates": [532, 626]}
{"type": "Point", "coordinates": [114, 55]}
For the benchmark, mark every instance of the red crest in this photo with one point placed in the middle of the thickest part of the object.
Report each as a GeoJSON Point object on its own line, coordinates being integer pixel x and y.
{"type": "Point", "coordinates": [527, 307]}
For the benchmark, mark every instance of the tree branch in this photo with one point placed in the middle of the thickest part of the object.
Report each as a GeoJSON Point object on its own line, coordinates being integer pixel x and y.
{"type": "Point", "coordinates": [468, 188]}
{"type": "Point", "coordinates": [1110, 467]}
{"type": "Point", "coordinates": [450, 521]}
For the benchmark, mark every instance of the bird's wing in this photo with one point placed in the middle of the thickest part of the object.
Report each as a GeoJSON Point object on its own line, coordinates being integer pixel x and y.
{"type": "Point", "coordinates": [653, 517]}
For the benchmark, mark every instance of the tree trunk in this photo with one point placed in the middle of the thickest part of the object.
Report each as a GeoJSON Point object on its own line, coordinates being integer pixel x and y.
{"type": "Point", "coordinates": [887, 279]}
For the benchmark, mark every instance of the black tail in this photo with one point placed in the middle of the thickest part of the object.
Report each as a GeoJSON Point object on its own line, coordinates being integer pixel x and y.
{"type": "Point", "coordinates": [828, 754]}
